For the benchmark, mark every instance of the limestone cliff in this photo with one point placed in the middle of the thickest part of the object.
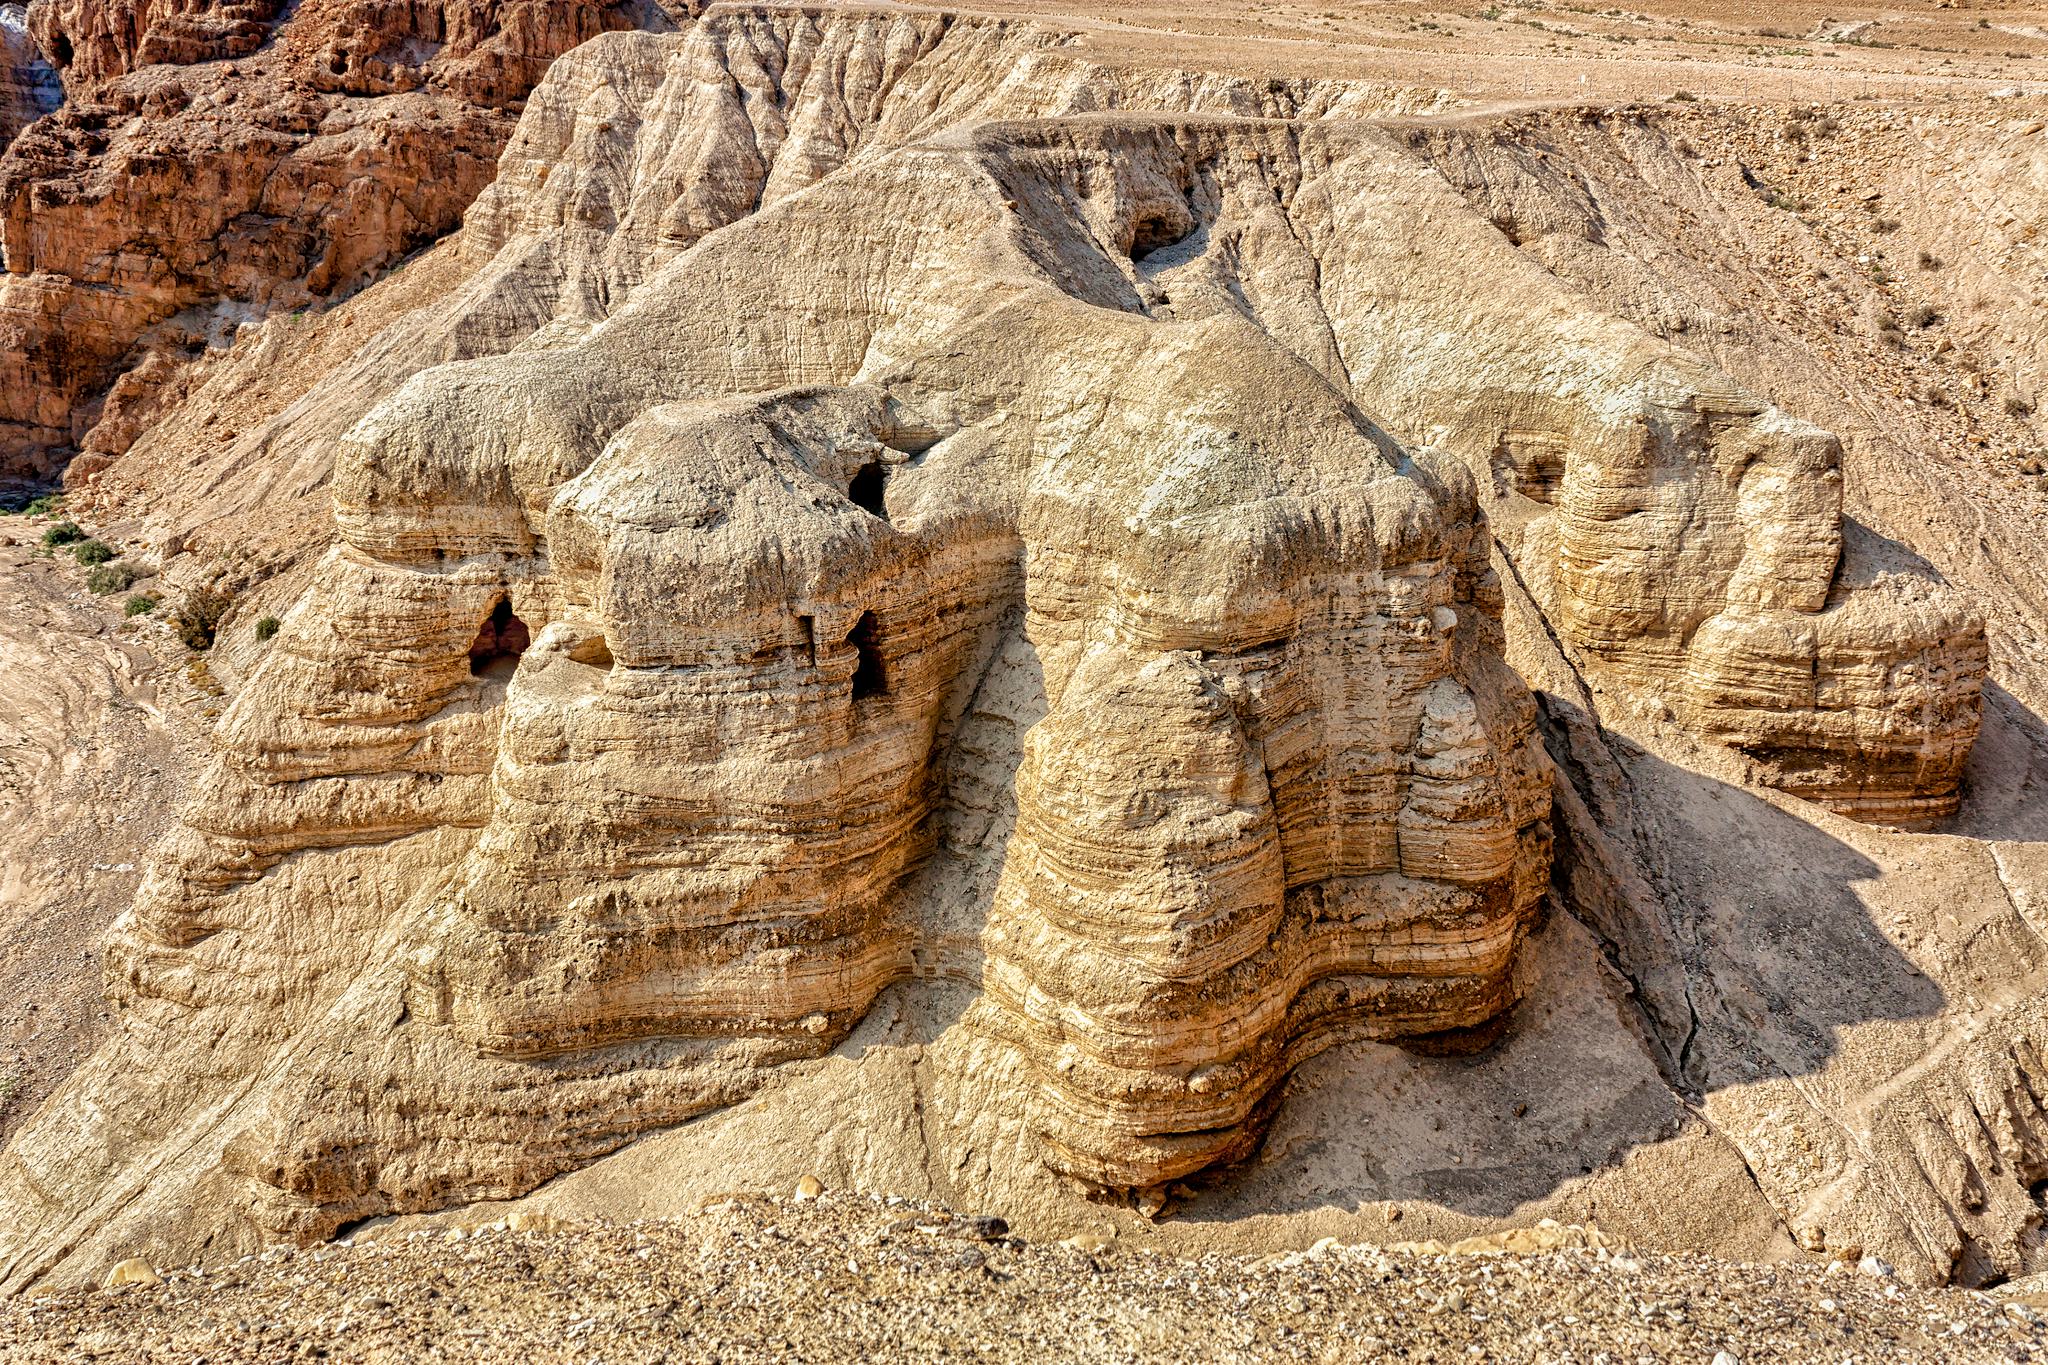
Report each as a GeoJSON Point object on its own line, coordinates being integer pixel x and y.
{"type": "Point", "coordinates": [870, 518]}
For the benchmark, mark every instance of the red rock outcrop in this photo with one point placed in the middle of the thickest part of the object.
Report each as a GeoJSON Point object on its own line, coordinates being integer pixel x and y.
{"type": "Point", "coordinates": [217, 161]}
{"type": "Point", "coordinates": [95, 41]}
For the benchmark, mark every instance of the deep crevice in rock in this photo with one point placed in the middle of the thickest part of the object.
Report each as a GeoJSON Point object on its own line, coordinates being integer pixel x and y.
{"type": "Point", "coordinates": [870, 678]}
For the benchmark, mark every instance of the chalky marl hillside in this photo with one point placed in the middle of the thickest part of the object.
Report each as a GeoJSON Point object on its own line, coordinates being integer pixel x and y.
{"type": "Point", "coordinates": [1211, 630]}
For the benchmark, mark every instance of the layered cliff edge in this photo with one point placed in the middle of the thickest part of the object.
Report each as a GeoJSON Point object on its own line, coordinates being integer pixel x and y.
{"type": "Point", "coordinates": [936, 600]}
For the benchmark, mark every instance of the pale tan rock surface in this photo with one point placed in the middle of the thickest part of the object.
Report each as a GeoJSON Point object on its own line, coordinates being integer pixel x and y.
{"type": "Point", "coordinates": [714, 881]}
{"type": "Point", "coordinates": [1014, 669]}
{"type": "Point", "coordinates": [97, 736]}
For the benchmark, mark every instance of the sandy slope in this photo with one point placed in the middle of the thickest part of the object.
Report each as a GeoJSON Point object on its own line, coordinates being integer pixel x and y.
{"type": "Point", "coordinates": [96, 734]}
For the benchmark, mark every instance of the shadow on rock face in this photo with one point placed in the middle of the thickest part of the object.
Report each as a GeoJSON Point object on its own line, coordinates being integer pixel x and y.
{"type": "Point", "coordinates": [1854, 1009]}
{"type": "Point", "coordinates": [1777, 954]}
{"type": "Point", "coordinates": [1780, 948]}
{"type": "Point", "coordinates": [2005, 792]}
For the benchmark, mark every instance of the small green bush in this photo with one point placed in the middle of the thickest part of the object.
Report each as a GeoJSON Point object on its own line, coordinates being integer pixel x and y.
{"type": "Point", "coordinates": [266, 626]}
{"type": "Point", "coordinates": [45, 505]}
{"type": "Point", "coordinates": [106, 579]}
{"type": "Point", "coordinates": [63, 533]}
{"type": "Point", "coordinates": [142, 604]}
{"type": "Point", "coordinates": [92, 552]}
{"type": "Point", "coordinates": [198, 617]}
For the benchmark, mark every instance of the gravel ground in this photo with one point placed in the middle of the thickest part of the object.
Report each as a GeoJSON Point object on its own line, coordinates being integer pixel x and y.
{"type": "Point", "coordinates": [847, 1278]}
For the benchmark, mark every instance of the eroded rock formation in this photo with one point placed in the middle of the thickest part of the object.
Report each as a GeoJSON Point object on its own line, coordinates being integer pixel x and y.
{"type": "Point", "coordinates": [213, 162]}
{"type": "Point", "coordinates": [706, 803]}
{"type": "Point", "coordinates": [945, 532]}
{"type": "Point", "coordinates": [96, 42]}
{"type": "Point", "coordinates": [1684, 535]}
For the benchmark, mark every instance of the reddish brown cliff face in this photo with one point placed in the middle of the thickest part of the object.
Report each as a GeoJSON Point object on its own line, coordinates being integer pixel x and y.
{"type": "Point", "coordinates": [97, 40]}
{"type": "Point", "coordinates": [213, 161]}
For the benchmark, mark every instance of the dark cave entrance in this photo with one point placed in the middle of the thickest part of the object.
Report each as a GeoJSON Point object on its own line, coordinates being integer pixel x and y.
{"type": "Point", "coordinates": [865, 492]}
{"type": "Point", "coordinates": [1154, 232]}
{"type": "Point", "coordinates": [869, 678]}
{"type": "Point", "coordinates": [499, 642]}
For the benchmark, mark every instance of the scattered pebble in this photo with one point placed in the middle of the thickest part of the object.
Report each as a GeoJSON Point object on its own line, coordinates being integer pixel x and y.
{"type": "Point", "coordinates": [837, 1278]}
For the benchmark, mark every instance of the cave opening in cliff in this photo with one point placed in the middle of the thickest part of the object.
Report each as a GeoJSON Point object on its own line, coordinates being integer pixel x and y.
{"type": "Point", "coordinates": [1152, 233]}
{"type": "Point", "coordinates": [865, 491]}
{"type": "Point", "coordinates": [499, 642]}
{"type": "Point", "coordinates": [869, 679]}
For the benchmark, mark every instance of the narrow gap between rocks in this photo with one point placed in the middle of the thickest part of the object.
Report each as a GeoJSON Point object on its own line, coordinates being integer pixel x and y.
{"type": "Point", "coordinates": [869, 678]}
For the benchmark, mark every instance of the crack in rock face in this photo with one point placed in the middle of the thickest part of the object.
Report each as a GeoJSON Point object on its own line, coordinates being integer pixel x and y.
{"type": "Point", "coordinates": [649, 719]}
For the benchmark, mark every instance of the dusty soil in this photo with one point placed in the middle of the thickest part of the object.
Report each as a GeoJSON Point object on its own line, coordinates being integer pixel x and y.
{"type": "Point", "coordinates": [1559, 50]}
{"type": "Point", "coordinates": [847, 1278]}
{"type": "Point", "coordinates": [99, 725]}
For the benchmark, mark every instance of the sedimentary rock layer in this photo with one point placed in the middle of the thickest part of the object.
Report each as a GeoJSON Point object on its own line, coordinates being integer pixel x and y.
{"type": "Point", "coordinates": [946, 531]}
{"type": "Point", "coordinates": [764, 745]}
{"type": "Point", "coordinates": [1685, 536]}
